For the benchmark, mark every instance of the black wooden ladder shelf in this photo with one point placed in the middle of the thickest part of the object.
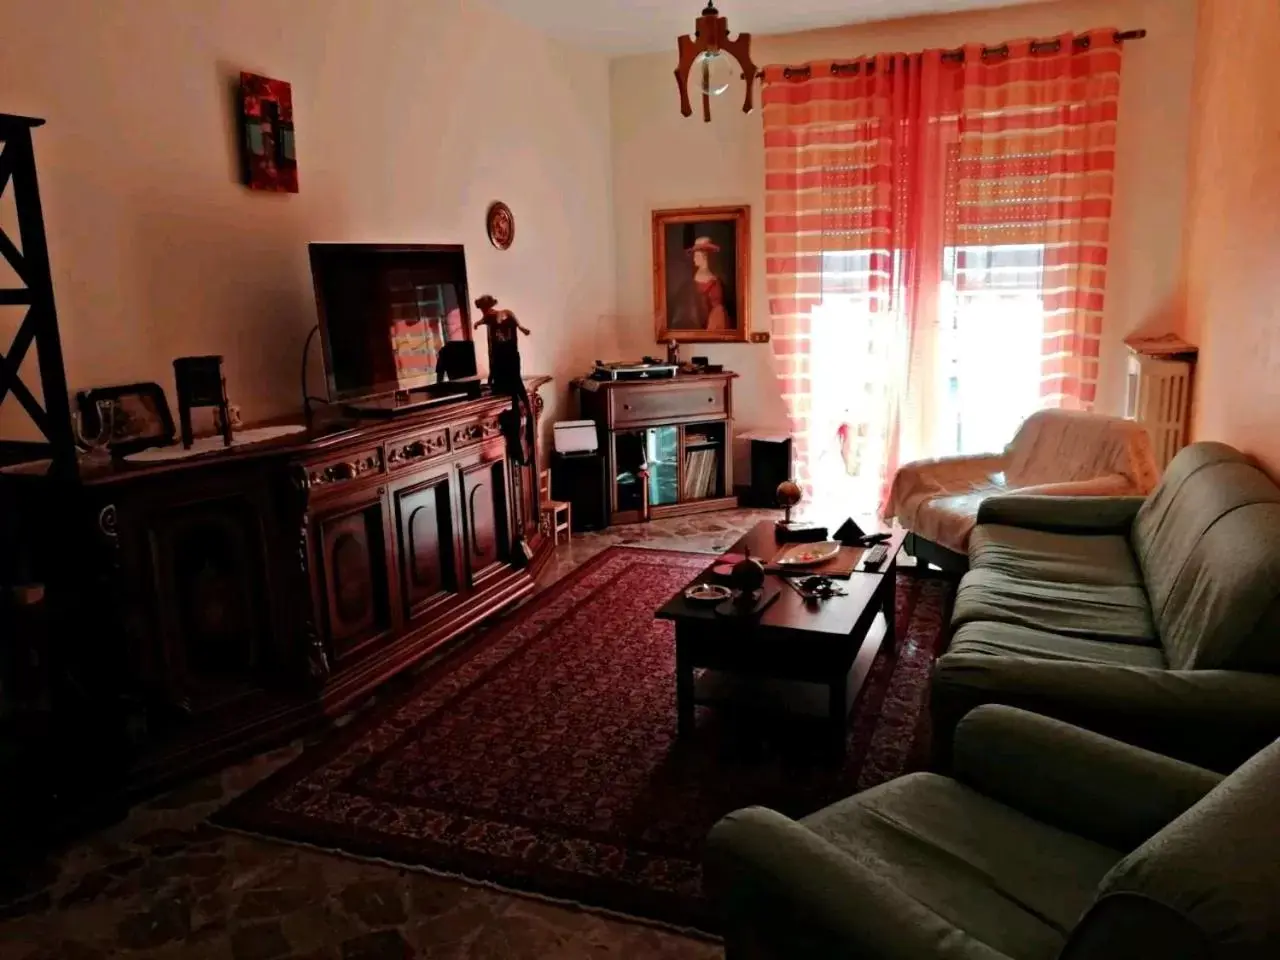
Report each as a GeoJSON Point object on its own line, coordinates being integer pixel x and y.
{"type": "Point", "coordinates": [39, 326]}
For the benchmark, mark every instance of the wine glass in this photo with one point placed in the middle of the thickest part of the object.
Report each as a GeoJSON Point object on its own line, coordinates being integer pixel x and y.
{"type": "Point", "coordinates": [96, 443]}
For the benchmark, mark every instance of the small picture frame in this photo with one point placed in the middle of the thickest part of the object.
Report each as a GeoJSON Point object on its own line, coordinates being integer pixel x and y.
{"type": "Point", "coordinates": [702, 274]}
{"type": "Point", "coordinates": [140, 418]}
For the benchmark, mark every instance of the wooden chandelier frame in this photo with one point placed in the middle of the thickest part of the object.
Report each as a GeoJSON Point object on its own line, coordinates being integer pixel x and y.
{"type": "Point", "coordinates": [711, 33]}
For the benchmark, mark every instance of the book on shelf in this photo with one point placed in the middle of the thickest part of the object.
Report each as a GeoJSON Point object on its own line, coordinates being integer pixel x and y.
{"type": "Point", "coordinates": [700, 471]}
{"type": "Point", "coordinates": [709, 483]}
{"type": "Point", "coordinates": [693, 473]}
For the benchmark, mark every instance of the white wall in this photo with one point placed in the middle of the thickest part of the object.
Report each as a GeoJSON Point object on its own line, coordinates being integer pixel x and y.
{"type": "Point", "coordinates": [1233, 228]}
{"type": "Point", "coordinates": [661, 159]}
{"type": "Point", "coordinates": [411, 115]}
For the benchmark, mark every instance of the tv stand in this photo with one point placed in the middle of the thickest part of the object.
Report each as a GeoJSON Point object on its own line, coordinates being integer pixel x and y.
{"type": "Point", "coordinates": [414, 401]}
{"type": "Point", "coordinates": [236, 598]}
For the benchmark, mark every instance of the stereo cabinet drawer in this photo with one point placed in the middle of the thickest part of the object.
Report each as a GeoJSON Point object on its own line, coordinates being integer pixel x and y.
{"type": "Point", "coordinates": [667, 402]}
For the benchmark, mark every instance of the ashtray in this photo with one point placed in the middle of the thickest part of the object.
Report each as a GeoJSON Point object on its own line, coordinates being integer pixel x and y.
{"type": "Point", "coordinates": [707, 593]}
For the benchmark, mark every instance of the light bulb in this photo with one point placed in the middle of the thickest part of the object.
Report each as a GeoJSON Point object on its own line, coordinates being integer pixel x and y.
{"type": "Point", "coordinates": [711, 73]}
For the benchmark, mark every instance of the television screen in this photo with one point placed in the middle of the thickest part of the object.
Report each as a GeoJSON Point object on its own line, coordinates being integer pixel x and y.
{"type": "Point", "coordinates": [387, 313]}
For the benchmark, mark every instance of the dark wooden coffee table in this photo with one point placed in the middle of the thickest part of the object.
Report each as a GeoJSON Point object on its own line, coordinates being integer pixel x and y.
{"type": "Point", "coordinates": [797, 655]}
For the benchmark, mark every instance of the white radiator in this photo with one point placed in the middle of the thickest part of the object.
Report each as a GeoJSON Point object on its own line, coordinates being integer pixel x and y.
{"type": "Point", "coordinates": [1159, 397]}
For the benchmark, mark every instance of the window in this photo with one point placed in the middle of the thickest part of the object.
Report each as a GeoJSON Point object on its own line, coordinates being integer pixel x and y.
{"type": "Point", "coordinates": [991, 328]}
{"type": "Point", "coordinates": [985, 361]}
{"type": "Point", "coordinates": [855, 351]}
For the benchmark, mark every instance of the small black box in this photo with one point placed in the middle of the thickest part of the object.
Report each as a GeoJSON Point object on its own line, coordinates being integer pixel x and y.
{"type": "Point", "coordinates": [579, 479]}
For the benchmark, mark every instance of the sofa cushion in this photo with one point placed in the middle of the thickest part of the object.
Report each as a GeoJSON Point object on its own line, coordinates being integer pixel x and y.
{"type": "Point", "coordinates": [1009, 881]}
{"type": "Point", "coordinates": [1010, 640]}
{"type": "Point", "coordinates": [1208, 543]}
{"type": "Point", "coordinates": [1089, 610]}
{"type": "Point", "coordinates": [1060, 557]}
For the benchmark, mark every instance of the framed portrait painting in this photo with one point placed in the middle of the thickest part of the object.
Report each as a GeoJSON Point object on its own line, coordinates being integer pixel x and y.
{"type": "Point", "coordinates": [702, 274]}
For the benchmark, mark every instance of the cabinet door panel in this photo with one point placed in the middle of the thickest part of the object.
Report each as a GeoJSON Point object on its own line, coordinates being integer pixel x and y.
{"type": "Point", "coordinates": [209, 572]}
{"type": "Point", "coordinates": [427, 550]}
{"type": "Point", "coordinates": [354, 575]}
{"type": "Point", "coordinates": [484, 512]}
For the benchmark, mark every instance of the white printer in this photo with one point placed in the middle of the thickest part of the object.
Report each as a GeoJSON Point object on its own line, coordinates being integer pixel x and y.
{"type": "Point", "coordinates": [575, 436]}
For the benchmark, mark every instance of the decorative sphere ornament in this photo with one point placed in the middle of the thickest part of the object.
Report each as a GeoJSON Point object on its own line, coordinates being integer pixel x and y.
{"type": "Point", "coordinates": [747, 577]}
{"type": "Point", "coordinates": [789, 495]}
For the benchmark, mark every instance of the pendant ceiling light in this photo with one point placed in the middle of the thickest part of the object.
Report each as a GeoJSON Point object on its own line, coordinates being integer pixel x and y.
{"type": "Point", "coordinates": [706, 61]}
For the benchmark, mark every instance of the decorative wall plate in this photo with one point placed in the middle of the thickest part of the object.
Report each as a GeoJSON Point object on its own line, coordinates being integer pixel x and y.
{"type": "Point", "coordinates": [500, 223]}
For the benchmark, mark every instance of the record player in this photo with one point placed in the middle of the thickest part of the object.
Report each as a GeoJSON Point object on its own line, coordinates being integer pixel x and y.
{"type": "Point", "coordinates": [647, 369]}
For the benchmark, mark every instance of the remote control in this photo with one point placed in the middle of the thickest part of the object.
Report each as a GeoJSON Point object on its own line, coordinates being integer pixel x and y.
{"type": "Point", "coordinates": [874, 558]}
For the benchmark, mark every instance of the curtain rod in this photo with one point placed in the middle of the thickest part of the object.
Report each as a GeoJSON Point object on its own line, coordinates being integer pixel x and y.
{"type": "Point", "coordinates": [957, 56]}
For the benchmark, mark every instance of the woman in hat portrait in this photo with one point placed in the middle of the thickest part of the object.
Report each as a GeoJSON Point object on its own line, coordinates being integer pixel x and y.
{"type": "Point", "coordinates": [701, 274]}
{"type": "Point", "coordinates": [702, 300]}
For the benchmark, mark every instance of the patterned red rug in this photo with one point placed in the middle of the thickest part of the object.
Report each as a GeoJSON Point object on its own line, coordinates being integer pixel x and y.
{"type": "Point", "coordinates": [542, 757]}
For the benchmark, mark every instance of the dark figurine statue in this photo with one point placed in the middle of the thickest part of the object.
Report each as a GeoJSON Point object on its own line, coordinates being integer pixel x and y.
{"type": "Point", "coordinates": [505, 376]}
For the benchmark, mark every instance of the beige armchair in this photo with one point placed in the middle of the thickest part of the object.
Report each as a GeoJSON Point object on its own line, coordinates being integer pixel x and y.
{"type": "Point", "coordinates": [1063, 453]}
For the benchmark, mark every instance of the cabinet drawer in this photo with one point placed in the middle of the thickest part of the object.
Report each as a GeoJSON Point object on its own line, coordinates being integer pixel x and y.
{"type": "Point", "coordinates": [407, 451]}
{"type": "Point", "coordinates": [667, 402]}
{"type": "Point", "coordinates": [331, 475]}
{"type": "Point", "coordinates": [469, 434]}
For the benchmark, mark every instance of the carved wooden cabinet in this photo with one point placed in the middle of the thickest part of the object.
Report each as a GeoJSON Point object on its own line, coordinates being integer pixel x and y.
{"type": "Point", "coordinates": [253, 591]}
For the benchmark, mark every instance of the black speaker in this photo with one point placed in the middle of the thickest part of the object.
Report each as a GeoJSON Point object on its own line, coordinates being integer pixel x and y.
{"type": "Point", "coordinates": [770, 465]}
{"type": "Point", "coordinates": [579, 479]}
{"type": "Point", "coordinates": [457, 360]}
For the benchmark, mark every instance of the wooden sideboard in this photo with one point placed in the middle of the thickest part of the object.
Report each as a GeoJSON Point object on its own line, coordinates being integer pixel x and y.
{"type": "Point", "coordinates": [248, 593]}
{"type": "Point", "coordinates": [668, 444]}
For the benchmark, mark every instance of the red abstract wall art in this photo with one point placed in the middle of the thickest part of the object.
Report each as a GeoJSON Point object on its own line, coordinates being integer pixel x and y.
{"type": "Point", "coordinates": [267, 145]}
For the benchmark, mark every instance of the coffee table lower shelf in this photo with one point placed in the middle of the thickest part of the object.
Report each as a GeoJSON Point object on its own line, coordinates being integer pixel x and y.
{"type": "Point", "coordinates": [828, 699]}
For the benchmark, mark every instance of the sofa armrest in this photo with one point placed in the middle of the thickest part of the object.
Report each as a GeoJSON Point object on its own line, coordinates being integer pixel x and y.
{"type": "Point", "coordinates": [1067, 514]}
{"type": "Point", "coordinates": [926, 478]}
{"type": "Point", "coordinates": [1215, 719]}
{"type": "Point", "coordinates": [1082, 782]}
{"type": "Point", "coordinates": [786, 892]}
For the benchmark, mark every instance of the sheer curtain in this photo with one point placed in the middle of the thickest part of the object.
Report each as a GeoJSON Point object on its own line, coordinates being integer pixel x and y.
{"type": "Point", "coordinates": [935, 238]}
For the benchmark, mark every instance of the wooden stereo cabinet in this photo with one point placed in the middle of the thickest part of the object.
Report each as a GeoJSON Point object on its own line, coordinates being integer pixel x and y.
{"type": "Point", "coordinates": [668, 444]}
{"type": "Point", "coordinates": [255, 590]}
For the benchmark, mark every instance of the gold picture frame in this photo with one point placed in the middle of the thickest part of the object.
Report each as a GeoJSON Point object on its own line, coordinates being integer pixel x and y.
{"type": "Point", "coordinates": [702, 274]}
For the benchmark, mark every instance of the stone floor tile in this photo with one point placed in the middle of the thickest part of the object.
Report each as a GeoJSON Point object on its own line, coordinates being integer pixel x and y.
{"type": "Point", "coordinates": [163, 885]}
{"type": "Point", "coordinates": [260, 941]}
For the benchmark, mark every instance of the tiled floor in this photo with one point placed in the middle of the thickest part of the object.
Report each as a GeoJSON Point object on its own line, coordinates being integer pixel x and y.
{"type": "Point", "coordinates": [160, 884]}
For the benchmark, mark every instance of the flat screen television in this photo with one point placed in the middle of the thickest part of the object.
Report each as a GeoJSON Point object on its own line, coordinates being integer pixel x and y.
{"type": "Point", "coordinates": [393, 317]}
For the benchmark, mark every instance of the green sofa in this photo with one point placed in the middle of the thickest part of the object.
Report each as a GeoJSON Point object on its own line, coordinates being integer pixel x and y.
{"type": "Point", "coordinates": [1155, 621]}
{"type": "Point", "coordinates": [1050, 842]}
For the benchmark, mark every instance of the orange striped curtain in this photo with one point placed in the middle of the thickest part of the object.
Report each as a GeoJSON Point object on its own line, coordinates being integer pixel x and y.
{"type": "Point", "coordinates": [903, 157]}
{"type": "Point", "coordinates": [844, 147]}
{"type": "Point", "coordinates": [1036, 165]}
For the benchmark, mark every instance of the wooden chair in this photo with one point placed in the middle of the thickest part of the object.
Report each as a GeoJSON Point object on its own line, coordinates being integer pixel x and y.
{"type": "Point", "coordinates": [559, 513]}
